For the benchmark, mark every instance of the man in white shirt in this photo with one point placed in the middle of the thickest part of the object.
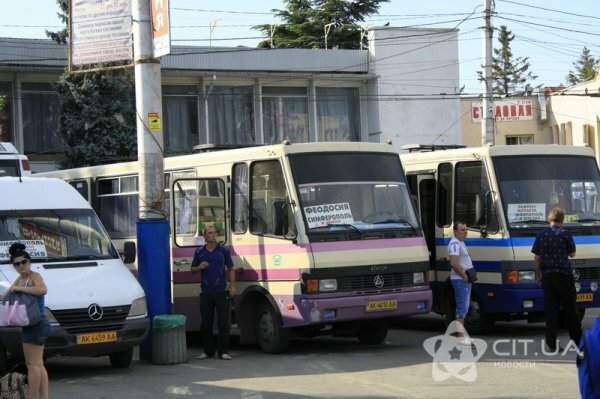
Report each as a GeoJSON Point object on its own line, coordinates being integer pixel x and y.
{"type": "Point", "coordinates": [460, 261]}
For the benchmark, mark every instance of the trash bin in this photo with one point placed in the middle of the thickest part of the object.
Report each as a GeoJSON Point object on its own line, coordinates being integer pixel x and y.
{"type": "Point", "coordinates": [168, 339]}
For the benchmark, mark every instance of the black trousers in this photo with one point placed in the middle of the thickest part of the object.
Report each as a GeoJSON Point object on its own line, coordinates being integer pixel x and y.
{"type": "Point", "coordinates": [209, 305]}
{"type": "Point", "coordinates": [559, 290]}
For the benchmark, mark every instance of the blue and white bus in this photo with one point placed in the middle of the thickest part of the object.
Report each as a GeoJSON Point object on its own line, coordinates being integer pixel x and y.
{"type": "Point", "coordinates": [503, 194]}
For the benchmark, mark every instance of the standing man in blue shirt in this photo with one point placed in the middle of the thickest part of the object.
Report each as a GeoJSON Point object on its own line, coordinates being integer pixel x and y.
{"type": "Point", "coordinates": [214, 263]}
{"type": "Point", "coordinates": [553, 247]}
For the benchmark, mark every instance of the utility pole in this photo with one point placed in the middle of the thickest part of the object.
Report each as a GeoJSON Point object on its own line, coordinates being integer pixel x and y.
{"type": "Point", "coordinates": [487, 123]}
{"type": "Point", "coordinates": [152, 226]}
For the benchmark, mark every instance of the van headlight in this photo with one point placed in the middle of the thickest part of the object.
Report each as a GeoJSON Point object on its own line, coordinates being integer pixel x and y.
{"type": "Point", "coordinates": [138, 307]}
{"type": "Point", "coordinates": [50, 317]}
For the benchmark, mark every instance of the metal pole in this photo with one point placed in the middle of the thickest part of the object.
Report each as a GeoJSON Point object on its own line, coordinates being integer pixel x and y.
{"type": "Point", "coordinates": [152, 227]}
{"type": "Point", "coordinates": [487, 123]}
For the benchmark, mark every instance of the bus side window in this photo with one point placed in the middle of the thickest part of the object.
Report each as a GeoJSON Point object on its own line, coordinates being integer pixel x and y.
{"type": "Point", "coordinates": [240, 185]}
{"type": "Point", "coordinates": [471, 185]}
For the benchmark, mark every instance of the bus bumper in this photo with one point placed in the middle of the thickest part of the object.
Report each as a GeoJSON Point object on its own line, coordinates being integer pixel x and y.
{"type": "Point", "coordinates": [526, 297]}
{"type": "Point", "coordinates": [327, 310]}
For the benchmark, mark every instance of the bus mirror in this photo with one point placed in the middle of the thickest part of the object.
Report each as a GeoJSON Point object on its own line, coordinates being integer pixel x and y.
{"type": "Point", "coordinates": [491, 226]}
{"type": "Point", "coordinates": [283, 219]}
{"type": "Point", "coordinates": [129, 252]}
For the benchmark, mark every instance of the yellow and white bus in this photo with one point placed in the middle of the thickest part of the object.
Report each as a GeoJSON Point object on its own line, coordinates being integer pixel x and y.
{"type": "Point", "coordinates": [503, 194]}
{"type": "Point", "coordinates": [325, 237]}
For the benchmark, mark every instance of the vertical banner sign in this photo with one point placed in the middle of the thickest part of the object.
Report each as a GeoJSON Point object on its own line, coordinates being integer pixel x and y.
{"type": "Point", "coordinates": [100, 31]}
{"type": "Point", "coordinates": [161, 35]}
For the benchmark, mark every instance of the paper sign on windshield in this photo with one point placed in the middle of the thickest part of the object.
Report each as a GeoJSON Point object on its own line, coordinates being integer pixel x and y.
{"type": "Point", "coordinates": [521, 212]}
{"type": "Point", "coordinates": [326, 214]}
{"type": "Point", "coordinates": [35, 248]}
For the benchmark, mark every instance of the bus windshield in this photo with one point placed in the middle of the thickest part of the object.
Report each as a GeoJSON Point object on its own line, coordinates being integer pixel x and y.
{"type": "Point", "coordinates": [56, 235]}
{"type": "Point", "coordinates": [531, 186]}
{"type": "Point", "coordinates": [351, 189]}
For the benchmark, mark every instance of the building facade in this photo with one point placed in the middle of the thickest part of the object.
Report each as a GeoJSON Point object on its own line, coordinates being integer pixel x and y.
{"type": "Point", "coordinates": [254, 96]}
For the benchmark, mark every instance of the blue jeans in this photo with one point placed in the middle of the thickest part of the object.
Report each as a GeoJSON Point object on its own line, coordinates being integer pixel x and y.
{"type": "Point", "coordinates": [211, 303]}
{"type": "Point", "coordinates": [462, 295]}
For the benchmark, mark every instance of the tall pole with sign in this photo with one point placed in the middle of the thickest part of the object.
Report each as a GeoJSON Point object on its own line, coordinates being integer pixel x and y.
{"type": "Point", "coordinates": [152, 226]}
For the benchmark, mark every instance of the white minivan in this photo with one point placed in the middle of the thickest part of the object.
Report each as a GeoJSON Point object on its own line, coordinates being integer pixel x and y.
{"type": "Point", "coordinates": [95, 305]}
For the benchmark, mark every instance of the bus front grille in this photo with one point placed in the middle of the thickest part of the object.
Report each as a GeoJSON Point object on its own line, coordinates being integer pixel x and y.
{"type": "Point", "coordinates": [375, 282]}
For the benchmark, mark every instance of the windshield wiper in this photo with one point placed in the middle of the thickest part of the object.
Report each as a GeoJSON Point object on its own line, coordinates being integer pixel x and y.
{"type": "Point", "coordinates": [530, 221]}
{"type": "Point", "coordinates": [585, 220]}
{"type": "Point", "coordinates": [396, 220]}
{"type": "Point", "coordinates": [344, 225]}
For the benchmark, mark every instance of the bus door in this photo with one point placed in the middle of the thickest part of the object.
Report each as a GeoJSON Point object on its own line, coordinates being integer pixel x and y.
{"type": "Point", "coordinates": [195, 203]}
{"type": "Point", "coordinates": [423, 189]}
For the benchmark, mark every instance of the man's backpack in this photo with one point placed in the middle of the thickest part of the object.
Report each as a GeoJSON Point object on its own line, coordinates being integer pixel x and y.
{"type": "Point", "coordinates": [13, 385]}
{"type": "Point", "coordinates": [588, 364]}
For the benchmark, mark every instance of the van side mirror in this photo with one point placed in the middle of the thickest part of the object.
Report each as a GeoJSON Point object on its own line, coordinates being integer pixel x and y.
{"type": "Point", "coordinates": [129, 252]}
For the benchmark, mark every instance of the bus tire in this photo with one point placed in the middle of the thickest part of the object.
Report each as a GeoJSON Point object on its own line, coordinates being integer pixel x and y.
{"type": "Point", "coordinates": [3, 359]}
{"type": "Point", "coordinates": [272, 337]}
{"type": "Point", "coordinates": [476, 321]}
{"type": "Point", "coordinates": [121, 359]}
{"type": "Point", "coordinates": [372, 332]}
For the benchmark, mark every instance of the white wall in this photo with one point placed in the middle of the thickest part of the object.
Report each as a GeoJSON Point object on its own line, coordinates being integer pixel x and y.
{"type": "Point", "coordinates": [417, 86]}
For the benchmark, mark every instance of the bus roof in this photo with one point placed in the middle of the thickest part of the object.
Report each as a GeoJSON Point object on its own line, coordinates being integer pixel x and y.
{"type": "Point", "coordinates": [39, 193]}
{"type": "Point", "coordinates": [496, 151]}
{"type": "Point", "coordinates": [231, 155]}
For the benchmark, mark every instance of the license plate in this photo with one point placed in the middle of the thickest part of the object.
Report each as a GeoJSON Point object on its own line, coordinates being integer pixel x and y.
{"type": "Point", "coordinates": [96, 338]}
{"type": "Point", "coordinates": [585, 297]}
{"type": "Point", "coordinates": [377, 306]}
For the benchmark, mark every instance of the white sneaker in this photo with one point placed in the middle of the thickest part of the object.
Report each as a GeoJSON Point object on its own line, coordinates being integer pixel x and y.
{"type": "Point", "coordinates": [225, 356]}
{"type": "Point", "coordinates": [467, 342]}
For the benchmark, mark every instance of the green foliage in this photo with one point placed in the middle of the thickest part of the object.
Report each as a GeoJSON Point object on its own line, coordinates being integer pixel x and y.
{"type": "Point", "coordinates": [97, 114]}
{"type": "Point", "coordinates": [586, 68]}
{"type": "Point", "coordinates": [97, 119]}
{"type": "Point", "coordinates": [510, 74]}
{"type": "Point", "coordinates": [305, 20]}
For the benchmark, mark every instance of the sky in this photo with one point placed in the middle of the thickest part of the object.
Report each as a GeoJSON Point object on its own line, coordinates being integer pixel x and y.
{"type": "Point", "coordinates": [552, 33]}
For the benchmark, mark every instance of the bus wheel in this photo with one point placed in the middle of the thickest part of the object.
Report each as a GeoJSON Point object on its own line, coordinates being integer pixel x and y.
{"type": "Point", "coordinates": [122, 359]}
{"type": "Point", "coordinates": [272, 337]}
{"type": "Point", "coordinates": [3, 359]}
{"type": "Point", "coordinates": [372, 332]}
{"type": "Point", "coordinates": [476, 321]}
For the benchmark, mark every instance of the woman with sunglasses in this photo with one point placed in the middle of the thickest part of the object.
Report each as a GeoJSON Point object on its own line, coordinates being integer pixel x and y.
{"type": "Point", "coordinates": [34, 337]}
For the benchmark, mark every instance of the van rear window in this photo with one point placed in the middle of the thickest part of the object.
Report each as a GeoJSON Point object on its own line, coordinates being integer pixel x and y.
{"type": "Point", "coordinates": [9, 167]}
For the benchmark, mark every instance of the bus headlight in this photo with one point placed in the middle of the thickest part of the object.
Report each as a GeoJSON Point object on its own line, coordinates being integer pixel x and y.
{"type": "Point", "coordinates": [594, 286]}
{"type": "Point", "coordinates": [527, 276]}
{"type": "Point", "coordinates": [577, 287]}
{"type": "Point", "coordinates": [418, 278]}
{"type": "Point", "coordinates": [520, 276]}
{"type": "Point", "coordinates": [328, 284]}
{"type": "Point", "coordinates": [138, 307]}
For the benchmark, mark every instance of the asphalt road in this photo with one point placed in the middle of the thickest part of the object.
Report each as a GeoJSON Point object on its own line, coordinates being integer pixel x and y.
{"type": "Point", "coordinates": [511, 365]}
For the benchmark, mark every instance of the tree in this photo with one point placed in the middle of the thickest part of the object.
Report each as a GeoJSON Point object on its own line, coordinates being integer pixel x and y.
{"type": "Point", "coordinates": [305, 21]}
{"type": "Point", "coordinates": [586, 68]}
{"type": "Point", "coordinates": [510, 74]}
{"type": "Point", "coordinates": [97, 114]}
